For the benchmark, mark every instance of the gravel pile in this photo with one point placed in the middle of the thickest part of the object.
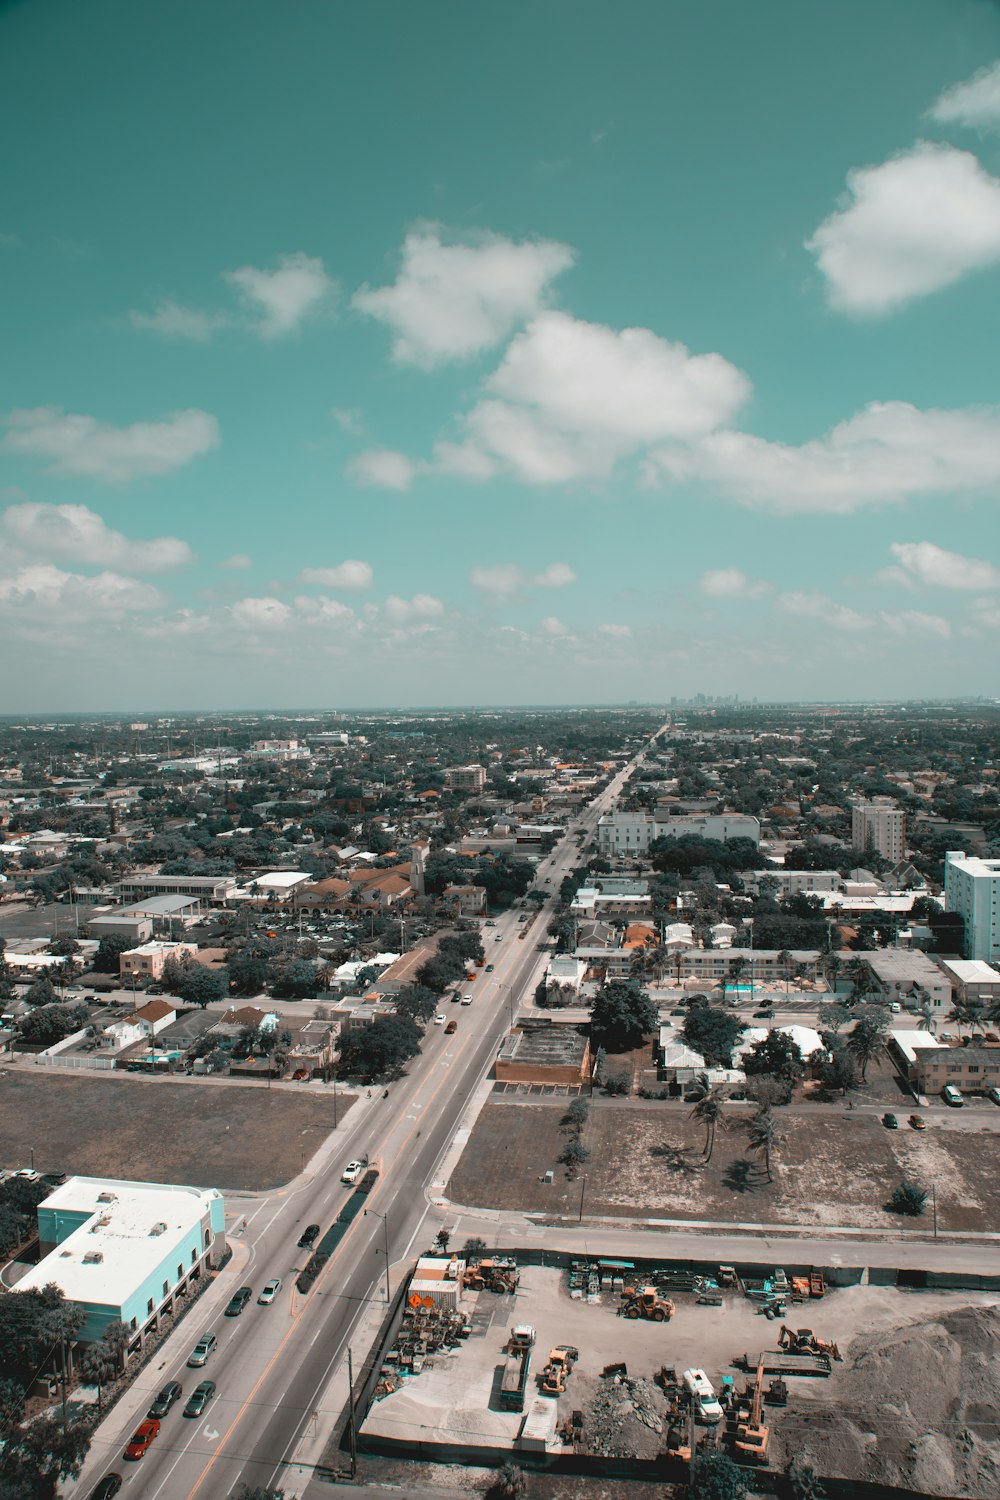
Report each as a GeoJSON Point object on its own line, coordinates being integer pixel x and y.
{"type": "Point", "coordinates": [918, 1407]}
{"type": "Point", "coordinates": [626, 1418]}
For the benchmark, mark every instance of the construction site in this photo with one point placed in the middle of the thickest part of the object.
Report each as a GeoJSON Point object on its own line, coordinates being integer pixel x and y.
{"type": "Point", "coordinates": [609, 1367]}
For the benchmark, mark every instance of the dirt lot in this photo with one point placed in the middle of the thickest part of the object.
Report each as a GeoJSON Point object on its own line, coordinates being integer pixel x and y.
{"type": "Point", "coordinates": [150, 1130]}
{"type": "Point", "coordinates": [646, 1161]}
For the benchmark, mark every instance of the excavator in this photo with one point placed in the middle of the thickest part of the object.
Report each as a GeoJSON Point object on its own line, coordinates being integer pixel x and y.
{"type": "Point", "coordinates": [556, 1373]}
{"type": "Point", "coordinates": [645, 1302]}
{"type": "Point", "coordinates": [804, 1341]}
{"type": "Point", "coordinates": [753, 1435]}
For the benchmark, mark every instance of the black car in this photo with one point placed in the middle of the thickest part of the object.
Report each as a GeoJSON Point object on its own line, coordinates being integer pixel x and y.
{"type": "Point", "coordinates": [165, 1399]}
{"type": "Point", "coordinates": [238, 1301]}
{"type": "Point", "coordinates": [199, 1398]}
{"type": "Point", "coordinates": [309, 1237]}
{"type": "Point", "coordinates": [108, 1486]}
{"type": "Point", "coordinates": [890, 1122]}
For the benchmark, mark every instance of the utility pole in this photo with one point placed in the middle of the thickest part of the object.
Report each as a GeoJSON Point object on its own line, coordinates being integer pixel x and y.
{"type": "Point", "coordinates": [583, 1189]}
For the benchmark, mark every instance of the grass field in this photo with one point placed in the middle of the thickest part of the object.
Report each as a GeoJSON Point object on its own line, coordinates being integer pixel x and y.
{"type": "Point", "coordinates": [151, 1130]}
{"type": "Point", "coordinates": [647, 1161]}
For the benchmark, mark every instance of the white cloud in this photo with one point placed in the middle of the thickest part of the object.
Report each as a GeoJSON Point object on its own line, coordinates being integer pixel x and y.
{"type": "Point", "coordinates": [83, 445]}
{"type": "Point", "coordinates": [262, 614]}
{"type": "Point", "coordinates": [974, 102]}
{"type": "Point", "coordinates": [325, 610]}
{"type": "Point", "coordinates": [619, 632]}
{"type": "Point", "coordinates": [926, 563]}
{"type": "Point", "coordinates": [553, 626]}
{"type": "Point", "coordinates": [237, 561]}
{"type": "Point", "coordinates": [914, 224]}
{"type": "Point", "coordinates": [818, 607]}
{"type": "Point", "coordinates": [405, 611]}
{"type": "Point", "coordinates": [506, 579]}
{"type": "Point", "coordinates": [280, 300]}
{"type": "Point", "coordinates": [74, 532]}
{"type": "Point", "coordinates": [383, 468]}
{"type": "Point", "coordinates": [915, 622]}
{"type": "Point", "coordinates": [450, 301]}
{"type": "Point", "coordinates": [47, 589]}
{"type": "Point", "coordinates": [173, 321]}
{"type": "Point", "coordinates": [731, 583]}
{"type": "Point", "coordinates": [351, 576]}
{"type": "Point", "coordinates": [887, 452]}
{"type": "Point", "coordinates": [349, 419]}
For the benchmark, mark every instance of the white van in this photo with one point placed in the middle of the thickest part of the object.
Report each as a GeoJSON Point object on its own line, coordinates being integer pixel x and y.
{"type": "Point", "coordinates": [951, 1095]}
{"type": "Point", "coordinates": [706, 1404]}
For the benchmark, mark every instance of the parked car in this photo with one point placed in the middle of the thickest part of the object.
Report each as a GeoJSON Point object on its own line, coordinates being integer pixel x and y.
{"type": "Point", "coordinates": [994, 1095]}
{"type": "Point", "coordinates": [498, 938]}
{"type": "Point", "coordinates": [309, 1236]}
{"type": "Point", "coordinates": [165, 1399]}
{"type": "Point", "coordinates": [269, 1291]}
{"type": "Point", "coordinates": [451, 1028]}
{"type": "Point", "coordinates": [352, 1171]}
{"type": "Point", "coordinates": [238, 1301]}
{"type": "Point", "coordinates": [199, 1398]}
{"type": "Point", "coordinates": [205, 1347]}
{"type": "Point", "coordinates": [106, 1487]}
{"type": "Point", "coordinates": [138, 1444]}
{"type": "Point", "coordinates": [953, 1096]}
{"type": "Point", "coordinates": [890, 1122]}
{"type": "Point", "coordinates": [917, 1122]}
{"type": "Point", "coordinates": [301, 1075]}
{"type": "Point", "coordinates": [466, 999]}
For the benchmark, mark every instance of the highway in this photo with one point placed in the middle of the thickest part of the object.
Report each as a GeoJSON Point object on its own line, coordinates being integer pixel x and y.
{"type": "Point", "coordinates": [274, 1365]}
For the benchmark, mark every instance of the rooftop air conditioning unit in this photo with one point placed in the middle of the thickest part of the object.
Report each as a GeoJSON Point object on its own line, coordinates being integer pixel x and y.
{"type": "Point", "coordinates": [159, 1228]}
{"type": "Point", "coordinates": [92, 1257]}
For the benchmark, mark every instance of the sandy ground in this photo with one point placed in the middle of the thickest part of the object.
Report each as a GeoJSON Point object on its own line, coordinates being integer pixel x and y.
{"type": "Point", "coordinates": [648, 1161]}
{"type": "Point", "coordinates": [151, 1130]}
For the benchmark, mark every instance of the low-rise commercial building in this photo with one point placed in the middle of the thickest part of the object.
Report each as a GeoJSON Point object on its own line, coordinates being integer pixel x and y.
{"type": "Point", "coordinates": [148, 961]}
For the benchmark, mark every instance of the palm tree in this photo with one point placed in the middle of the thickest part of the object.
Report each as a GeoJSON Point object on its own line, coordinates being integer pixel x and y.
{"type": "Point", "coordinates": [865, 1043]}
{"type": "Point", "coordinates": [925, 1017]}
{"type": "Point", "coordinates": [736, 969]}
{"type": "Point", "coordinates": [785, 966]}
{"type": "Point", "coordinates": [709, 1112]}
{"type": "Point", "coordinates": [959, 1013]}
{"type": "Point", "coordinates": [762, 1134]}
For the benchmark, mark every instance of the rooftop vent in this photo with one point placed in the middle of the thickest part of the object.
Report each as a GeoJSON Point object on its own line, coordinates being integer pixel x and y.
{"type": "Point", "coordinates": [159, 1228]}
{"type": "Point", "coordinates": [107, 1197]}
{"type": "Point", "coordinates": [93, 1257]}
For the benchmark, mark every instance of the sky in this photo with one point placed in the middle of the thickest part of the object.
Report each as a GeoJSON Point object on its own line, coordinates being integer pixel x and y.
{"type": "Point", "coordinates": [421, 354]}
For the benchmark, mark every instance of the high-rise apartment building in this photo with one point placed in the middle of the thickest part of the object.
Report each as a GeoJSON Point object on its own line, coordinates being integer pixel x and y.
{"type": "Point", "coordinates": [879, 825]}
{"type": "Point", "coordinates": [972, 890]}
{"type": "Point", "coordinates": [465, 778]}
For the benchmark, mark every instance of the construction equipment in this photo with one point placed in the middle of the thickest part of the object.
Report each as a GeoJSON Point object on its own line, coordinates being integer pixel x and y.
{"type": "Point", "coordinates": [752, 1435]}
{"type": "Point", "coordinates": [560, 1365]}
{"type": "Point", "coordinates": [514, 1381]}
{"type": "Point", "coordinates": [726, 1276]}
{"type": "Point", "coordinates": [817, 1284]}
{"type": "Point", "coordinates": [645, 1302]}
{"type": "Point", "coordinates": [804, 1341]}
{"type": "Point", "coordinates": [498, 1275]}
{"type": "Point", "coordinates": [777, 1392]}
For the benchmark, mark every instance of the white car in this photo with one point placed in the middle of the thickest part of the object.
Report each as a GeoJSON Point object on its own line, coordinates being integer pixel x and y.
{"type": "Point", "coordinates": [269, 1291]}
{"type": "Point", "coordinates": [352, 1171]}
{"type": "Point", "coordinates": [994, 1095]}
{"type": "Point", "coordinates": [466, 999]}
{"type": "Point", "coordinates": [439, 1019]}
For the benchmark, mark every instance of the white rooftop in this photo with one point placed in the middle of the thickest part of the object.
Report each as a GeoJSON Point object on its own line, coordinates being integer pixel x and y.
{"type": "Point", "coordinates": [131, 1225]}
{"type": "Point", "coordinates": [806, 1039]}
{"type": "Point", "coordinates": [971, 970]}
{"type": "Point", "coordinates": [912, 1042]}
{"type": "Point", "coordinates": [280, 880]}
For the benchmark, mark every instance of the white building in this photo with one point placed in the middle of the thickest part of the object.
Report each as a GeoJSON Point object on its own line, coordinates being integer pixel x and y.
{"type": "Point", "coordinates": [972, 890]}
{"type": "Point", "coordinates": [624, 833]}
{"type": "Point", "coordinates": [879, 825]}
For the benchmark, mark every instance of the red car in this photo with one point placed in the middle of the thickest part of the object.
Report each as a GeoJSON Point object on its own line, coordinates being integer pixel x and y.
{"type": "Point", "coordinates": [142, 1437]}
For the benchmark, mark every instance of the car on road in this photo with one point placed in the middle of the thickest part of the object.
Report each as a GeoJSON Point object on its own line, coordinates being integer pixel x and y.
{"type": "Point", "coordinates": [890, 1122]}
{"type": "Point", "coordinates": [489, 922]}
{"type": "Point", "coordinates": [439, 1019]}
{"type": "Point", "coordinates": [466, 999]}
{"type": "Point", "coordinates": [309, 1236]}
{"type": "Point", "coordinates": [238, 1301]}
{"type": "Point", "coordinates": [165, 1399]}
{"type": "Point", "coordinates": [106, 1487]}
{"type": "Point", "coordinates": [765, 1013]}
{"type": "Point", "coordinates": [205, 1347]}
{"type": "Point", "coordinates": [498, 938]}
{"type": "Point", "coordinates": [451, 1028]}
{"type": "Point", "coordinates": [352, 1171]}
{"type": "Point", "coordinates": [142, 1437]}
{"type": "Point", "coordinates": [994, 1095]}
{"type": "Point", "coordinates": [953, 1096]}
{"type": "Point", "coordinates": [199, 1398]}
{"type": "Point", "coordinates": [917, 1122]}
{"type": "Point", "coordinates": [269, 1291]}
{"type": "Point", "coordinates": [489, 968]}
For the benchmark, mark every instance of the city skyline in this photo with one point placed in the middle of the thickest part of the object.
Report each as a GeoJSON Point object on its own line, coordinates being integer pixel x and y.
{"type": "Point", "coordinates": [534, 357]}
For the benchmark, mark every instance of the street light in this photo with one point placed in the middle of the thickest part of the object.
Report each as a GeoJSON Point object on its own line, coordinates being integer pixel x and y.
{"type": "Point", "coordinates": [385, 1232]}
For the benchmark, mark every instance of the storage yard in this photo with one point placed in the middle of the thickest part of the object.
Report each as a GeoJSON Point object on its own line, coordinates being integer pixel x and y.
{"type": "Point", "coordinates": [858, 1375]}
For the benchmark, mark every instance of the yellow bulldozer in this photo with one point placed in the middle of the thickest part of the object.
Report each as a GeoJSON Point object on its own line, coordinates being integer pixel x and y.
{"type": "Point", "coordinates": [804, 1341]}
{"type": "Point", "coordinates": [557, 1371]}
{"type": "Point", "coordinates": [492, 1276]}
{"type": "Point", "coordinates": [645, 1302]}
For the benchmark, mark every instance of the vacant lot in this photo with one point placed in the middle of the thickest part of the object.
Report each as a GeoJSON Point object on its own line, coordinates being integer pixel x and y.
{"type": "Point", "coordinates": [150, 1130]}
{"type": "Point", "coordinates": [647, 1161]}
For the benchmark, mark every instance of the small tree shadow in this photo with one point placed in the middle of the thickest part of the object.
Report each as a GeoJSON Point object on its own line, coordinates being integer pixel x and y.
{"type": "Point", "coordinates": [677, 1159]}
{"type": "Point", "coordinates": [741, 1176]}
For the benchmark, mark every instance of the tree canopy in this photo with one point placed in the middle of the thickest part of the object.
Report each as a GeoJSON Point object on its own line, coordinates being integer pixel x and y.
{"type": "Point", "coordinates": [622, 1015]}
{"type": "Point", "coordinates": [713, 1033]}
{"type": "Point", "coordinates": [379, 1051]}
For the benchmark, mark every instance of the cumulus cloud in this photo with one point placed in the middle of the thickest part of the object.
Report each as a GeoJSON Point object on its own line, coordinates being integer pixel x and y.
{"type": "Point", "coordinates": [913, 225]}
{"type": "Point", "coordinates": [506, 579]}
{"type": "Point", "coordinates": [47, 589]}
{"type": "Point", "coordinates": [79, 534]}
{"type": "Point", "coordinates": [731, 583]}
{"type": "Point", "coordinates": [421, 607]}
{"type": "Point", "coordinates": [351, 576]}
{"type": "Point", "coordinates": [384, 469]}
{"type": "Point", "coordinates": [450, 301]}
{"type": "Point", "coordinates": [261, 614]}
{"type": "Point", "coordinates": [553, 626]}
{"type": "Point", "coordinates": [819, 607]}
{"type": "Point", "coordinates": [926, 563]}
{"type": "Point", "coordinates": [172, 321]}
{"type": "Point", "coordinates": [280, 300]}
{"type": "Point", "coordinates": [323, 610]}
{"type": "Point", "coordinates": [97, 450]}
{"type": "Point", "coordinates": [237, 561]}
{"type": "Point", "coordinates": [888, 452]}
{"type": "Point", "coordinates": [974, 102]}
{"type": "Point", "coordinates": [916, 622]}
{"type": "Point", "coordinates": [618, 632]}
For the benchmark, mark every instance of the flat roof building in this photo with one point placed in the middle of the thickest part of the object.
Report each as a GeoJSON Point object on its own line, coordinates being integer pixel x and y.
{"type": "Point", "coordinates": [972, 891]}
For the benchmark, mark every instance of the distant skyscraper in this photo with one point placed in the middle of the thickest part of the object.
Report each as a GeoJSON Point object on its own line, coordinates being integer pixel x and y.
{"type": "Point", "coordinates": [879, 825]}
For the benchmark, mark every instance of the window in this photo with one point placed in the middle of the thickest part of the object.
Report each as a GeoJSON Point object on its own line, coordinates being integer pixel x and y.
{"type": "Point", "coordinates": [166, 1288]}
{"type": "Point", "coordinates": [149, 1305]}
{"type": "Point", "coordinates": [208, 1238]}
{"type": "Point", "coordinates": [194, 1256]}
{"type": "Point", "coordinates": [132, 1324]}
{"type": "Point", "coordinates": [180, 1272]}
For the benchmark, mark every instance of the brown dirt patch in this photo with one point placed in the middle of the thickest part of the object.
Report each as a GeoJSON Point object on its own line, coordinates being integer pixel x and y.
{"type": "Point", "coordinates": [151, 1130]}
{"type": "Point", "coordinates": [647, 1161]}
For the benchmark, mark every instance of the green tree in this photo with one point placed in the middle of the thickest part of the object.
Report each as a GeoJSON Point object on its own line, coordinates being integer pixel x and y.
{"type": "Point", "coordinates": [622, 1015]}
{"type": "Point", "coordinates": [196, 984]}
{"type": "Point", "coordinates": [712, 1033]}
{"type": "Point", "coordinates": [714, 1476]}
{"type": "Point", "coordinates": [416, 1003]}
{"type": "Point", "coordinates": [908, 1198]}
{"type": "Point", "coordinates": [865, 1042]}
{"type": "Point", "coordinates": [709, 1112]}
{"type": "Point", "coordinates": [573, 1155]}
{"type": "Point", "coordinates": [381, 1050]}
{"type": "Point", "coordinates": [98, 1367]}
{"type": "Point", "coordinates": [510, 1483]}
{"type": "Point", "coordinates": [777, 1054]}
{"type": "Point", "coordinates": [109, 950]}
{"type": "Point", "coordinates": [247, 974]}
{"type": "Point", "coordinates": [838, 1070]}
{"type": "Point", "coordinates": [41, 991]}
{"type": "Point", "coordinates": [762, 1135]}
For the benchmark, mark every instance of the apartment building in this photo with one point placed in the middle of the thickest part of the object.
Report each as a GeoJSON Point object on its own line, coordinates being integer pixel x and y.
{"type": "Point", "coordinates": [465, 778]}
{"type": "Point", "coordinates": [972, 891]}
{"type": "Point", "coordinates": [879, 825]}
{"type": "Point", "coordinates": [624, 833]}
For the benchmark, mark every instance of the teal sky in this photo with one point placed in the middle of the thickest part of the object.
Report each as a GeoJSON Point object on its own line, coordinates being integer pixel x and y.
{"type": "Point", "coordinates": [427, 353]}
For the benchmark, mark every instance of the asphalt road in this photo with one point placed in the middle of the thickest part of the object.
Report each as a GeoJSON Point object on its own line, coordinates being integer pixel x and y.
{"type": "Point", "coordinates": [273, 1364]}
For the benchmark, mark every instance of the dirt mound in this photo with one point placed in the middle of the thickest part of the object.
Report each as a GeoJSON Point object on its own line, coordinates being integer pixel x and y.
{"type": "Point", "coordinates": [625, 1418]}
{"type": "Point", "coordinates": [919, 1408]}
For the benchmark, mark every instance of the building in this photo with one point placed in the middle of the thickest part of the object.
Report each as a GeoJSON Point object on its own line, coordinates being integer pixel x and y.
{"type": "Point", "coordinates": [469, 900]}
{"type": "Point", "coordinates": [909, 977]}
{"type": "Point", "coordinates": [625, 833]}
{"type": "Point", "coordinates": [791, 882]}
{"type": "Point", "coordinates": [549, 1053]}
{"type": "Point", "coordinates": [879, 825]}
{"type": "Point", "coordinates": [117, 924]}
{"type": "Point", "coordinates": [973, 981]}
{"type": "Point", "coordinates": [125, 1251]}
{"type": "Point", "coordinates": [972, 891]}
{"type": "Point", "coordinates": [149, 960]}
{"type": "Point", "coordinates": [465, 778]}
{"type": "Point", "coordinates": [214, 888]}
{"type": "Point", "coordinates": [971, 1069]}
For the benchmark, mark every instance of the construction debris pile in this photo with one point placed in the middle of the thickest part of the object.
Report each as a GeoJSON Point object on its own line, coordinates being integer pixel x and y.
{"type": "Point", "coordinates": [423, 1333]}
{"type": "Point", "coordinates": [917, 1407]}
{"type": "Point", "coordinates": [626, 1418]}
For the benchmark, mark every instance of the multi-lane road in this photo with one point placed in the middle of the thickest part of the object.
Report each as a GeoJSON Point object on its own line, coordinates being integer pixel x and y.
{"type": "Point", "coordinates": [273, 1365]}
